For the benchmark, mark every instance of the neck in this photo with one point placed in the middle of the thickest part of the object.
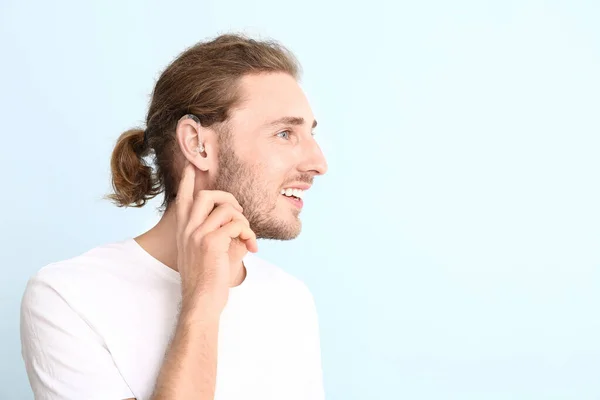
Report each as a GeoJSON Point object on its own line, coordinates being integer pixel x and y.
{"type": "Point", "coordinates": [161, 243]}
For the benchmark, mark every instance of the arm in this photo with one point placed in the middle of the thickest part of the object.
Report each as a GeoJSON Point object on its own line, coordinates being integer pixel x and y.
{"type": "Point", "coordinates": [207, 224]}
{"type": "Point", "coordinates": [190, 366]}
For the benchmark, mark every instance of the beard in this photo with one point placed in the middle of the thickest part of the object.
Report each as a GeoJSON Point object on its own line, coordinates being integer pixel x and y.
{"type": "Point", "coordinates": [257, 197]}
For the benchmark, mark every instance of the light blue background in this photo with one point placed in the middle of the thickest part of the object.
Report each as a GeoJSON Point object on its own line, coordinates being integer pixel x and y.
{"type": "Point", "coordinates": [453, 248]}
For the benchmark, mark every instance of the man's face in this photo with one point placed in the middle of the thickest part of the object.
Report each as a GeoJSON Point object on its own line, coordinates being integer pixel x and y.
{"type": "Point", "coordinates": [270, 148]}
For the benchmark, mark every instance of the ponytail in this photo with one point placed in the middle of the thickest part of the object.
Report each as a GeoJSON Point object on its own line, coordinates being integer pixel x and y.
{"type": "Point", "coordinates": [133, 180]}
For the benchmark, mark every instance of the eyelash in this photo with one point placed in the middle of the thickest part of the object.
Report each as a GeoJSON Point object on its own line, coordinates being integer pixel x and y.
{"type": "Point", "coordinates": [290, 132]}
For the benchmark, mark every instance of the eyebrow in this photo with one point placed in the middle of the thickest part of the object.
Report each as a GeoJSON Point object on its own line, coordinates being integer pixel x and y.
{"type": "Point", "coordinates": [290, 121]}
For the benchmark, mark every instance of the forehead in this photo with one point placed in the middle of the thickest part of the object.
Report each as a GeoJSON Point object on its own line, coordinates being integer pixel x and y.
{"type": "Point", "coordinates": [268, 97]}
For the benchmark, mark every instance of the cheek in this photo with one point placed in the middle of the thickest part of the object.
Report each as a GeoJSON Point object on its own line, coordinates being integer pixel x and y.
{"type": "Point", "coordinates": [275, 162]}
{"type": "Point", "coordinates": [278, 172]}
{"type": "Point", "coordinates": [272, 167]}
{"type": "Point", "coordinates": [282, 161]}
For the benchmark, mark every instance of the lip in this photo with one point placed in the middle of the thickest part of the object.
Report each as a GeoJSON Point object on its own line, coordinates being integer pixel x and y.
{"type": "Point", "coordinates": [301, 186]}
{"type": "Point", "coordinates": [295, 202]}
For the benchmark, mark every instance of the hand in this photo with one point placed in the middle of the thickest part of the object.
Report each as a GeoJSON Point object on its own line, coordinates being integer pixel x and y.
{"type": "Point", "coordinates": [208, 221]}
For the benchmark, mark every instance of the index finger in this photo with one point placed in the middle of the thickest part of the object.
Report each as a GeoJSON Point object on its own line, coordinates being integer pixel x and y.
{"type": "Point", "coordinates": [205, 202]}
{"type": "Point", "coordinates": [185, 194]}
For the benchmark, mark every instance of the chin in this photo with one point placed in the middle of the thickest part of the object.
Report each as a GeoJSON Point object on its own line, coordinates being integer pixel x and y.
{"type": "Point", "coordinates": [279, 230]}
{"type": "Point", "coordinates": [291, 228]}
{"type": "Point", "coordinates": [293, 233]}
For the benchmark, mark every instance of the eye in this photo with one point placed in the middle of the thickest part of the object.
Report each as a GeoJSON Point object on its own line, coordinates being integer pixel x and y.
{"type": "Point", "coordinates": [284, 134]}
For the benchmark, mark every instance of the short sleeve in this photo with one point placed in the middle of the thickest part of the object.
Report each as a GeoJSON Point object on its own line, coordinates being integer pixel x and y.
{"type": "Point", "coordinates": [64, 357]}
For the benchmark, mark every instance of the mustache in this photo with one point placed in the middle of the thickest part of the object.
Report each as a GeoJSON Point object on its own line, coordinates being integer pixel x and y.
{"type": "Point", "coordinates": [303, 178]}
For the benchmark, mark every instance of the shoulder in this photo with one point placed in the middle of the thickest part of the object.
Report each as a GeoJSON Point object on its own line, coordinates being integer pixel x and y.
{"type": "Point", "coordinates": [84, 269]}
{"type": "Point", "coordinates": [93, 277]}
{"type": "Point", "coordinates": [62, 339]}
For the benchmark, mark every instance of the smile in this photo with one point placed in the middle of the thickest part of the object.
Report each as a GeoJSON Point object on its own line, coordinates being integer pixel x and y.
{"type": "Point", "coordinates": [294, 196]}
{"type": "Point", "coordinates": [289, 192]}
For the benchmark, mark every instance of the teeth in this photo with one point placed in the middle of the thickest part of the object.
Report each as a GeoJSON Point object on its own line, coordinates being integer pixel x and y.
{"type": "Point", "coordinates": [292, 192]}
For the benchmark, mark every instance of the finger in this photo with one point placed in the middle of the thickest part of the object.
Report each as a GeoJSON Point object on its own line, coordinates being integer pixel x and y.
{"type": "Point", "coordinates": [249, 240]}
{"type": "Point", "coordinates": [239, 230]}
{"type": "Point", "coordinates": [222, 215]}
{"type": "Point", "coordinates": [185, 195]}
{"type": "Point", "coordinates": [204, 203]}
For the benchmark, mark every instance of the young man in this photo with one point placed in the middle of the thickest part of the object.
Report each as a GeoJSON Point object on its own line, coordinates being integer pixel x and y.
{"type": "Point", "coordinates": [186, 310]}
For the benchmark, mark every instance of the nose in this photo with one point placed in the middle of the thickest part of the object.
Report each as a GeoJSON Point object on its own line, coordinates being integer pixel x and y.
{"type": "Point", "coordinates": [313, 161]}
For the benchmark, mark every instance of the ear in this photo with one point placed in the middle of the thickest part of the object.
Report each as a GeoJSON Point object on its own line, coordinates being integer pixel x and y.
{"type": "Point", "coordinates": [195, 142]}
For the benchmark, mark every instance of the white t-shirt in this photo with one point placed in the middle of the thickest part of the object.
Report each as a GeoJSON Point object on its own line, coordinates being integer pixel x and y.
{"type": "Point", "coordinates": [97, 326]}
